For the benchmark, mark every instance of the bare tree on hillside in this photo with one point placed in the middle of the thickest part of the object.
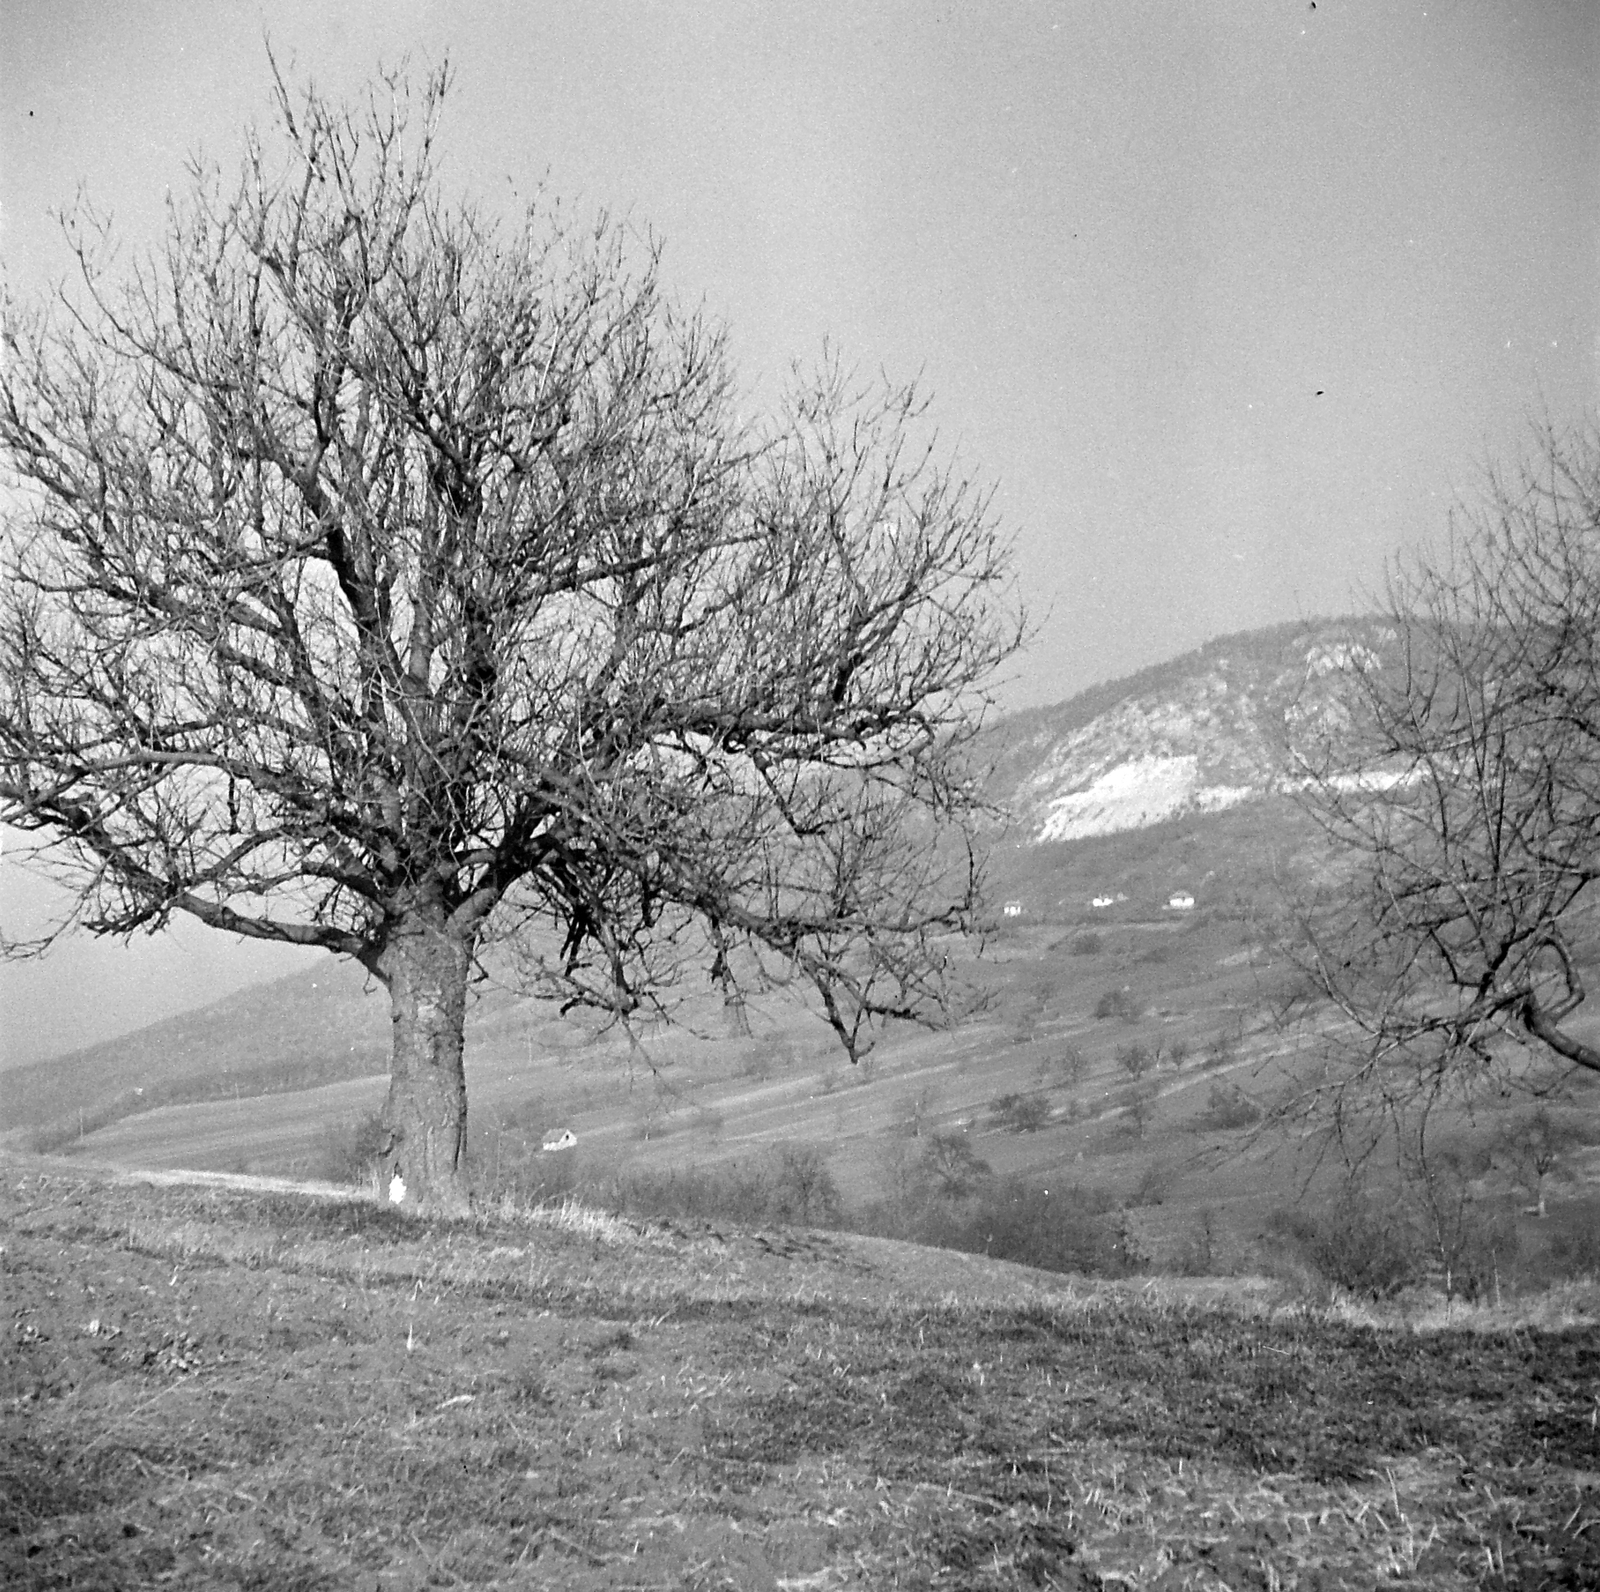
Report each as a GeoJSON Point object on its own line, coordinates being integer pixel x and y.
{"type": "Point", "coordinates": [1465, 790]}
{"type": "Point", "coordinates": [381, 578]}
{"type": "Point", "coordinates": [1532, 1148]}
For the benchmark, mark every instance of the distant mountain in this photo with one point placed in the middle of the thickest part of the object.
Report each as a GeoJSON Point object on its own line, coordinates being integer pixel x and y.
{"type": "Point", "coordinates": [1197, 734]}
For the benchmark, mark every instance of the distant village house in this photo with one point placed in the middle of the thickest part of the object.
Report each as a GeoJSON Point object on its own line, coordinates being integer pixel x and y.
{"type": "Point", "coordinates": [1101, 901]}
{"type": "Point", "coordinates": [1181, 902]}
{"type": "Point", "coordinates": [1013, 909]}
{"type": "Point", "coordinates": [565, 1142]}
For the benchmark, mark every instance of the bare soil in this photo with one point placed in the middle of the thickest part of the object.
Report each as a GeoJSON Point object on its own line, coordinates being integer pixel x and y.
{"type": "Point", "coordinates": [233, 1386]}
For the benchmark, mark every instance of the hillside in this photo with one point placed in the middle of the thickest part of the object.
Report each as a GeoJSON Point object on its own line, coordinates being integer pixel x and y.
{"type": "Point", "coordinates": [1121, 1052]}
{"type": "Point", "coordinates": [1198, 734]}
{"type": "Point", "coordinates": [237, 1387]}
{"type": "Point", "coordinates": [294, 1033]}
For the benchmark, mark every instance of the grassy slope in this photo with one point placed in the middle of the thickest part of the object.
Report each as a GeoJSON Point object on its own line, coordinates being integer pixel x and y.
{"type": "Point", "coordinates": [311, 1028]}
{"type": "Point", "coordinates": [218, 1388]}
{"type": "Point", "coordinates": [711, 1100]}
{"type": "Point", "coordinates": [328, 1026]}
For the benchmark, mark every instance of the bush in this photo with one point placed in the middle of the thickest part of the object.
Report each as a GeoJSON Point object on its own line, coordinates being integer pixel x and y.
{"type": "Point", "coordinates": [1086, 944]}
{"type": "Point", "coordinates": [952, 1166]}
{"type": "Point", "coordinates": [350, 1155]}
{"type": "Point", "coordinates": [803, 1191]}
{"type": "Point", "coordinates": [1065, 1230]}
{"type": "Point", "coordinates": [1121, 1003]}
{"type": "Point", "coordinates": [1134, 1060]}
{"type": "Point", "coordinates": [1154, 1185]}
{"type": "Point", "coordinates": [1020, 1113]}
{"type": "Point", "coordinates": [1472, 1242]}
{"type": "Point", "coordinates": [790, 1186]}
{"type": "Point", "coordinates": [1228, 1108]}
{"type": "Point", "coordinates": [1356, 1245]}
{"type": "Point", "coordinates": [1198, 1256]}
{"type": "Point", "coordinates": [1137, 1105]}
{"type": "Point", "coordinates": [733, 1193]}
{"type": "Point", "coordinates": [1574, 1248]}
{"type": "Point", "coordinates": [1071, 1064]}
{"type": "Point", "coordinates": [920, 1107]}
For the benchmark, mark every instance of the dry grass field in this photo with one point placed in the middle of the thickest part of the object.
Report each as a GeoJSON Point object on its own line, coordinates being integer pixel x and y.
{"type": "Point", "coordinates": [213, 1386]}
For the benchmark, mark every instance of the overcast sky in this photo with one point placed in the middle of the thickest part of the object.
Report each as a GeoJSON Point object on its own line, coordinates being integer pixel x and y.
{"type": "Point", "coordinates": [1230, 300]}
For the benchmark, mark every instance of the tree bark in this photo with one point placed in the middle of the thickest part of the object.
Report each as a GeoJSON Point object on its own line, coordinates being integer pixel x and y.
{"type": "Point", "coordinates": [425, 968]}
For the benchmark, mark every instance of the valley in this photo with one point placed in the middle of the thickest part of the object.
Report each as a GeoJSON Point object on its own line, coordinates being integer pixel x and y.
{"type": "Point", "coordinates": [1128, 1056]}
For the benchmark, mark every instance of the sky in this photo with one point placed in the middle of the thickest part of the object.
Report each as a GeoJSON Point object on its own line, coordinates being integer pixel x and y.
{"type": "Point", "coordinates": [1231, 302]}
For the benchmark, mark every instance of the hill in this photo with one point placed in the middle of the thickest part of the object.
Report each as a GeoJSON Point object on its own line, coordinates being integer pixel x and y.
{"type": "Point", "coordinates": [227, 1387]}
{"type": "Point", "coordinates": [1118, 1054]}
{"type": "Point", "coordinates": [1200, 733]}
{"type": "Point", "coordinates": [295, 1033]}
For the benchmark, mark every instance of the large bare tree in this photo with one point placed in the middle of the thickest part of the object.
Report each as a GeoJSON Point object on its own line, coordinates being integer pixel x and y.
{"type": "Point", "coordinates": [381, 578]}
{"type": "Point", "coordinates": [1464, 787]}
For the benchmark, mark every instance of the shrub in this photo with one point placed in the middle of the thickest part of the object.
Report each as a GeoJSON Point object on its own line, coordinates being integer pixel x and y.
{"type": "Point", "coordinates": [953, 1167]}
{"type": "Point", "coordinates": [1154, 1184]}
{"type": "Point", "coordinates": [349, 1156]}
{"type": "Point", "coordinates": [1071, 1064]}
{"type": "Point", "coordinates": [1086, 944]}
{"type": "Point", "coordinates": [1138, 1105]}
{"type": "Point", "coordinates": [1020, 1113]}
{"type": "Point", "coordinates": [1574, 1247]}
{"type": "Point", "coordinates": [1072, 1229]}
{"type": "Point", "coordinates": [790, 1185]}
{"type": "Point", "coordinates": [1356, 1245]}
{"type": "Point", "coordinates": [1121, 1003]}
{"type": "Point", "coordinates": [1471, 1242]}
{"type": "Point", "coordinates": [1134, 1060]}
{"type": "Point", "coordinates": [1228, 1108]}
{"type": "Point", "coordinates": [919, 1107]}
{"type": "Point", "coordinates": [733, 1192]}
{"type": "Point", "coordinates": [1531, 1147]}
{"type": "Point", "coordinates": [1198, 1256]}
{"type": "Point", "coordinates": [802, 1190]}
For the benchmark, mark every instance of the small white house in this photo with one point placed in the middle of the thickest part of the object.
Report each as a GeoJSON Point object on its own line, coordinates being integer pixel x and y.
{"type": "Point", "coordinates": [1100, 902]}
{"type": "Point", "coordinates": [1181, 902]}
{"type": "Point", "coordinates": [1013, 909]}
{"type": "Point", "coordinates": [564, 1142]}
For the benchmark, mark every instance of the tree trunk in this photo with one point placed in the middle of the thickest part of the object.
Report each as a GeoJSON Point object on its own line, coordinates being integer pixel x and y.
{"type": "Point", "coordinates": [425, 968]}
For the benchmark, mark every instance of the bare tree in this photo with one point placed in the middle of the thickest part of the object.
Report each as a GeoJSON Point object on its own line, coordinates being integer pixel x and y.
{"type": "Point", "coordinates": [952, 1165]}
{"type": "Point", "coordinates": [383, 578]}
{"type": "Point", "coordinates": [1532, 1147]}
{"type": "Point", "coordinates": [1463, 784]}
